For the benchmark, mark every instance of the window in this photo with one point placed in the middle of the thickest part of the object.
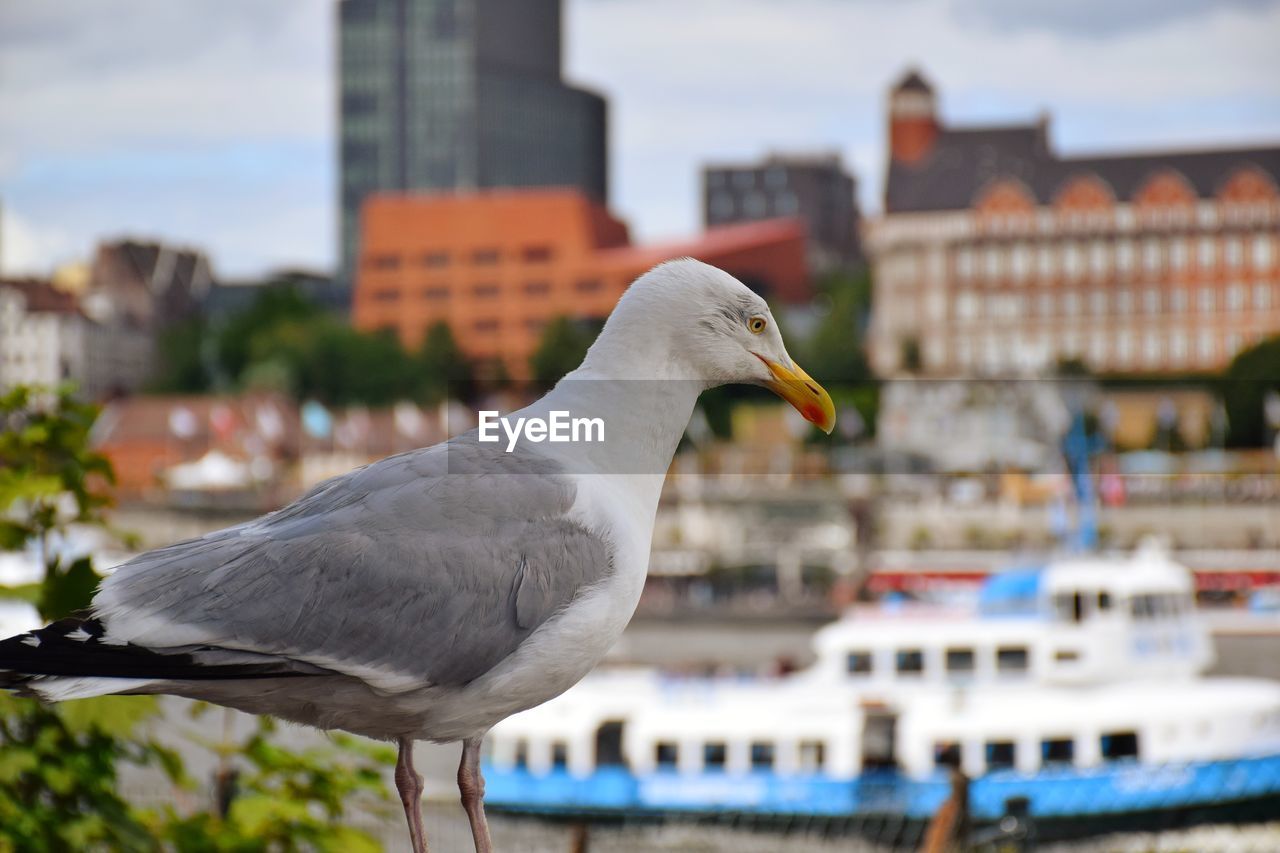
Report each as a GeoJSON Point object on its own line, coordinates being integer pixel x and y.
{"type": "Point", "coordinates": [910, 661]}
{"type": "Point", "coordinates": [666, 753]}
{"type": "Point", "coordinates": [1151, 347]}
{"type": "Point", "coordinates": [964, 263]}
{"type": "Point", "coordinates": [966, 306]}
{"type": "Point", "coordinates": [1104, 601]}
{"type": "Point", "coordinates": [1262, 296]}
{"type": "Point", "coordinates": [522, 753]}
{"type": "Point", "coordinates": [991, 262]}
{"type": "Point", "coordinates": [1021, 261]}
{"type": "Point", "coordinates": [812, 756]}
{"type": "Point", "coordinates": [1151, 300]}
{"type": "Point", "coordinates": [489, 325]}
{"type": "Point", "coordinates": [588, 285]}
{"type": "Point", "coordinates": [435, 293]}
{"type": "Point", "coordinates": [535, 324]}
{"type": "Point", "coordinates": [1235, 252]}
{"type": "Point", "coordinates": [858, 663]}
{"type": "Point", "coordinates": [1072, 260]}
{"type": "Point", "coordinates": [1118, 746]}
{"type": "Point", "coordinates": [1125, 256]}
{"type": "Point", "coordinates": [534, 288]}
{"type": "Point", "coordinates": [1178, 300]}
{"type": "Point", "coordinates": [488, 290]}
{"type": "Point", "coordinates": [721, 205]}
{"type": "Point", "coordinates": [1000, 754]}
{"type": "Point", "coordinates": [485, 257]}
{"type": "Point", "coordinates": [1179, 253]}
{"type": "Point", "coordinates": [1070, 606]}
{"type": "Point", "coordinates": [713, 755]}
{"type": "Point", "coordinates": [1205, 349]}
{"type": "Point", "coordinates": [1066, 656]}
{"type": "Point", "coordinates": [1205, 299]}
{"type": "Point", "coordinates": [1011, 659]}
{"type": "Point", "coordinates": [1045, 257]}
{"type": "Point", "coordinates": [761, 755]}
{"type": "Point", "coordinates": [386, 296]}
{"type": "Point", "coordinates": [1124, 302]}
{"type": "Point", "coordinates": [755, 205]}
{"type": "Point", "coordinates": [1207, 253]}
{"type": "Point", "coordinates": [960, 661]}
{"type": "Point", "coordinates": [435, 259]}
{"type": "Point", "coordinates": [1099, 258]}
{"type": "Point", "coordinates": [559, 754]}
{"type": "Point", "coordinates": [537, 254]}
{"type": "Point", "coordinates": [1263, 256]}
{"type": "Point", "coordinates": [1071, 304]}
{"type": "Point", "coordinates": [1178, 347]}
{"type": "Point", "coordinates": [1057, 750]}
{"type": "Point", "coordinates": [1098, 302]}
{"type": "Point", "coordinates": [1152, 256]}
{"type": "Point", "coordinates": [383, 262]}
{"type": "Point", "coordinates": [1236, 296]}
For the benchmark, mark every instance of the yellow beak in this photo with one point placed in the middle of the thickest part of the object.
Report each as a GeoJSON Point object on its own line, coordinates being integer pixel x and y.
{"type": "Point", "coordinates": [798, 388]}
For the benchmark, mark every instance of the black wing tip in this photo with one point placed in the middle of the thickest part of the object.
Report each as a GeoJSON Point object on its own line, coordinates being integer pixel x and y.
{"type": "Point", "coordinates": [75, 646]}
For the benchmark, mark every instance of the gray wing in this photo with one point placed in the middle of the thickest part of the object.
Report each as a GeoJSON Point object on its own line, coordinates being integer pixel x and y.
{"type": "Point", "coordinates": [427, 567]}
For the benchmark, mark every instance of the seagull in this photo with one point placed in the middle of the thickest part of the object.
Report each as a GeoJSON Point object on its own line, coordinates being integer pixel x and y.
{"type": "Point", "coordinates": [431, 594]}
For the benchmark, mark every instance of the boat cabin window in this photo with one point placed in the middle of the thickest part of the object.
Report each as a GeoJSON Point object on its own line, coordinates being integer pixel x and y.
{"type": "Point", "coordinates": [812, 755]}
{"type": "Point", "coordinates": [522, 753]}
{"type": "Point", "coordinates": [910, 661]}
{"type": "Point", "coordinates": [1104, 601]}
{"type": "Point", "coordinates": [858, 663]}
{"type": "Point", "coordinates": [1067, 655]}
{"type": "Point", "coordinates": [559, 754]}
{"type": "Point", "coordinates": [1058, 750]}
{"type": "Point", "coordinates": [1000, 754]}
{"type": "Point", "coordinates": [609, 745]}
{"type": "Point", "coordinates": [666, 753]}
{"type": "Point", "coordinates": [1119, 745]}
{"type": "Point", "coordinates": [713, 755]}
{"type": "Point", "coordinates": [960, 661]}
{"type": "Point", "coordinates": [1070, 606]}
{"type": "Point", "coordinates": [946, 754]}
{"type": "Point", "coordinates": [761, 756]}
{"type": "Point", "coordinates": [1011, 659]}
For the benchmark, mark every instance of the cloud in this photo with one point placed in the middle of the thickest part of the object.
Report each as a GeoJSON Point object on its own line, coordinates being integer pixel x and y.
{"type": "Point", "coordinates": [211, 121]}
{"type": "Point", "coordinates": [1088, 18]}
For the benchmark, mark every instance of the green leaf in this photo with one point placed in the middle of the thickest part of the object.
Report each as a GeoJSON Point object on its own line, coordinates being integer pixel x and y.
{"type": "Point", "coordinates": [64, 592]}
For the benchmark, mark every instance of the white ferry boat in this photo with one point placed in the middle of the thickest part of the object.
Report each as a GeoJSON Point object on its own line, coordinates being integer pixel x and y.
{"type": "Point", "coordinates": [1077, 687]}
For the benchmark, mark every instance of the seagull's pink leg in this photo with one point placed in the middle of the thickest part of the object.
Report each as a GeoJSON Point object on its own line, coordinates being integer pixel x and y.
{"type": "Point", "coordinates": [409, 784]}
{"type": "Point", "coordinates": [471, 787]}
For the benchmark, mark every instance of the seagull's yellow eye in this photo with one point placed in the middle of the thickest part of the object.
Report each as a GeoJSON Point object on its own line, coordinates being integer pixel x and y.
{"type": "Point", "coordinates": [756, 325]}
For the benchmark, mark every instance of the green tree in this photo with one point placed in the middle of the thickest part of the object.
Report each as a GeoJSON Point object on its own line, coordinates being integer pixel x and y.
{"type": "Point", "coordinates": [563, 345]}
{"type": "Point", "coordinates": [1251, 376]}
{"type": "Point", "coordinates": [443, 368]}
{"type": "Point", "coordinates": [59, 765]}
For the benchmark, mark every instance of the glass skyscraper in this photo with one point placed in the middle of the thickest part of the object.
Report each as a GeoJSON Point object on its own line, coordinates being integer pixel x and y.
{"type": "Point", "coordinates": [459, 94]}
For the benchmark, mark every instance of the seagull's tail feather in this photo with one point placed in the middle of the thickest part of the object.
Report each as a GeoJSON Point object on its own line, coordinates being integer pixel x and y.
{"type": "Point", "coordinates": [73, 658]}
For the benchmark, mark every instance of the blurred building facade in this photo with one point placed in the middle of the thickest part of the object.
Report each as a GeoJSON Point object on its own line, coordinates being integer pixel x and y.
{"type": "Point", "coordinates": [997, 256]}
{"type": "Point", "coordinates": [46, 339]}
{"type": "Point", "coordinates": [459, 94]}
{"type": "Point", "coordinates": [816, 189]}
{"type": "Point", "coordinates": [150, 284]}
{"type": "Point", "coordinates": [498, 266]}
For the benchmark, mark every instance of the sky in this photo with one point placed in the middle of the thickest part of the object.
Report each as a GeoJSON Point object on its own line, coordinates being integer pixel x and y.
{"type": "Point", "coordinates": [210, 123]}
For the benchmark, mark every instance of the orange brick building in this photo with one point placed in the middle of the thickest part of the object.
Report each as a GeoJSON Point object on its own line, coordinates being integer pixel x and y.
{"type": "Point", "coordinates": [997, 256]}
{"type": "Point", "coordinates": [498, 266]}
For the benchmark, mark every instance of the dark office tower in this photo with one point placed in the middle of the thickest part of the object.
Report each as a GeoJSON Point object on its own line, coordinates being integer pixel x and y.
{"type": "Point", "coordinates": [814, 189]}
{"type": "Point", "coordinates": [459, 94]}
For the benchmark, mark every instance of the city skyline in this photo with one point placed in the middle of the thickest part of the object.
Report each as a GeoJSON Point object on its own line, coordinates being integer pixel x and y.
{"type": "Point", "coordinates": [212, 125]}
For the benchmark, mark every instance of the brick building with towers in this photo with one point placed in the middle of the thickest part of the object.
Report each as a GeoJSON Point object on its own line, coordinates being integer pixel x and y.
{"type": "Point", "coordinates": [997, 256]}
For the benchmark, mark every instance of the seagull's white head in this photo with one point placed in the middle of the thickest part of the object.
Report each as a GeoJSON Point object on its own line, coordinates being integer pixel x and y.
{"type": "Point", "coordinates": [689, 320]}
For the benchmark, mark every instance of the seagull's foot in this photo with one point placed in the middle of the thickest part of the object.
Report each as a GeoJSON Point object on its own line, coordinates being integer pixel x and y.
{"type": "Point", "coordinates": [471, 788]}
{"type": "Point", "coordinates": [409, 784]}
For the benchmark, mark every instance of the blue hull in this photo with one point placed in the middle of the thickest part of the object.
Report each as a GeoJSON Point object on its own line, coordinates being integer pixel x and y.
{"type": "Point", "coordinates": [1113, 789]}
